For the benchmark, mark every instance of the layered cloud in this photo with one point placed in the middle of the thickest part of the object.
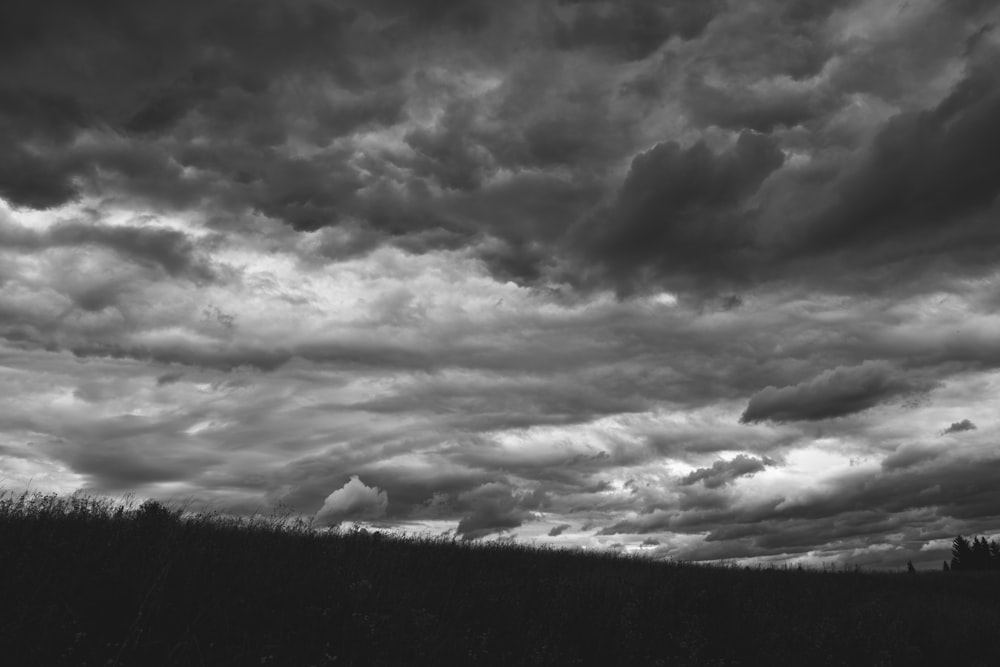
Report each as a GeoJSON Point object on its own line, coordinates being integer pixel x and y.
{"type": "Point", "coordinates": [705, 279]}
{"type": "Point", "coordinates": [834, 393]}
{"type": "Point", "coordinates": [723, 472]}
{"type": "Point", "coordinates": [321, 114]}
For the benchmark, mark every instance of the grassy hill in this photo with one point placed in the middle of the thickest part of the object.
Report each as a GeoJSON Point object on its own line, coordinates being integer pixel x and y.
{"type": "Point", "coordinates": [89, 582]}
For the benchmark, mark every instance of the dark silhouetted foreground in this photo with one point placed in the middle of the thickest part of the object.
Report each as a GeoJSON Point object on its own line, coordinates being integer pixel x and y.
{"type": "Point", "coordinates": [86, 582]}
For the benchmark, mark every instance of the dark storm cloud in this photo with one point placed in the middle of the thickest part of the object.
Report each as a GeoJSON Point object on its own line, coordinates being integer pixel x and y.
{"type": "Point", "coordinates": [834, 393]}
{"type": "Point", "coordinates": [121, 453]}
{"type": "Point", "coordinates": [141, 71]}
{"type": "Point", "coordinates": [924, 180]}
{"type": "Point", "coordinates": [29, 180]}
{"type": "Point", "coordinates": [186, 106]}
{"type": "Point", "coordinates": [472, 15]}
{"type": "Point", "coordinates": [152, 65]}
{"type": "Point", "coordinates": [206, 112]}
{"type": "Point", "coordinates": [632, 29]}
{"type": "Point", "coordinates": [780, 38]}
{"type": "Point", "coordinates": [739, 110]}
{"type": "Point", "coordinates": [754, 72]}
{"type": "Point", "coordinates": [494, 509]}
{"type": "Point", "coordinates": [920, 194]}
{"type": "Point", "coordinates": [448, 153]}
{"type": "Point", "coordinates": [725, 472]}
{"type": "Point", "coordinates": [307, 194]}
{"type": "Point", "coordinates": [680, 213]}
{"type": "Point", "coordinates": [959, 427]}
{"type": "Point", "coordinates": [201, 105]}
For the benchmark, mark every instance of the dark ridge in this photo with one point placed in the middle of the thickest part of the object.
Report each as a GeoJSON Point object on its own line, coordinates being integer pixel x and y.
{"type": "Point", "coordinates": [93, 582]}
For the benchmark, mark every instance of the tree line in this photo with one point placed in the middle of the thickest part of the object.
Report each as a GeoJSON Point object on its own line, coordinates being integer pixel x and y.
{"type": "Point", "coordinates": [974, 554]}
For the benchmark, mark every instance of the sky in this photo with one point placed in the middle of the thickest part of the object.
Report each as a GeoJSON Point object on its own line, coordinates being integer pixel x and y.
{"type": "Point", "coordinates": [703, 280]}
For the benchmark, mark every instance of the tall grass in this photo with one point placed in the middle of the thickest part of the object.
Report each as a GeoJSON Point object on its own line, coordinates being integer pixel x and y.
{"type": "Point", "coordinates": [86, 581]}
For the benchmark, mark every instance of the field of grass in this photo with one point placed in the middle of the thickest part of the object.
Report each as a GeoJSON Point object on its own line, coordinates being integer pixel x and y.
{"type": "Point", "coordinates": [89, 582]}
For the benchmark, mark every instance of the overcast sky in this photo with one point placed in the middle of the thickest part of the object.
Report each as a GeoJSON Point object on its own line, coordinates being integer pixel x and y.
{"type": "Point", "coordinates": [710, 279]}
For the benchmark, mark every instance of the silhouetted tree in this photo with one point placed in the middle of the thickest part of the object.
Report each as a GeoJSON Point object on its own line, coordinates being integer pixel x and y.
{"type": "Point", "coordinates": [978, 554]}
{"type": "Point", "coordinates": [909, 567]}
{"type": "Point", "coordinates": [961, 554]}
{"type": "Point", "coordinates": [945, 566]}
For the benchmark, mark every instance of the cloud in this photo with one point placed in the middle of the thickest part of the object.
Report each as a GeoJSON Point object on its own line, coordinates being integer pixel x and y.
{"type": "Point", "coordinates": [464, 15]}
{"type": "Point", "coordinates": [208, 127]}
{"type": "Point", "coordinates": [725, 472]}
{"type": "Point", "coordinates": [169, 378]}
{"type": "Point", "coordinates": [830, 207]}
{"type": "Point", "coordinates": [510, 261]}
{"type": "Point", "coordinates": [905, 193]}
{"type": "Point", "coordinates": [632, 29]}
{"type": "Point", "coordinates": [27, 180]}
{"type": "Point", "coordinates": [175, 252]}
{"type": "Point", "coordinates": [678, 213]}
{"type": "Point", "coordinates": [849, 510]}
{"type": "Point", "coordinates": [495, 509]}
{"type": "Point", "coordinates": [960, 426]}
{"type": "Point", "coordinates": [559, 530]}
{"type": "Point", "coordinates": [761, 111]}
{"type": "Point", "coordinates": [431, 487]}
{"type": "Point", "coordinates": [143, 73]}
{"type": "Point", "coordinates": [834, 393]}
{"type": "Point", "coordinates": [906, 456]}
{"type": "Point", "coordinates": [352, 502]}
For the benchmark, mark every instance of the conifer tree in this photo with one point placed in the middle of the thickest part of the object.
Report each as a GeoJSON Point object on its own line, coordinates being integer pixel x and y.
{"type": "Point", "coordinates": [980, 554]}
{"type": "Point", "coordinates": [961, 554]}
{"type": "Point", "coordinates": [977, 554]}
